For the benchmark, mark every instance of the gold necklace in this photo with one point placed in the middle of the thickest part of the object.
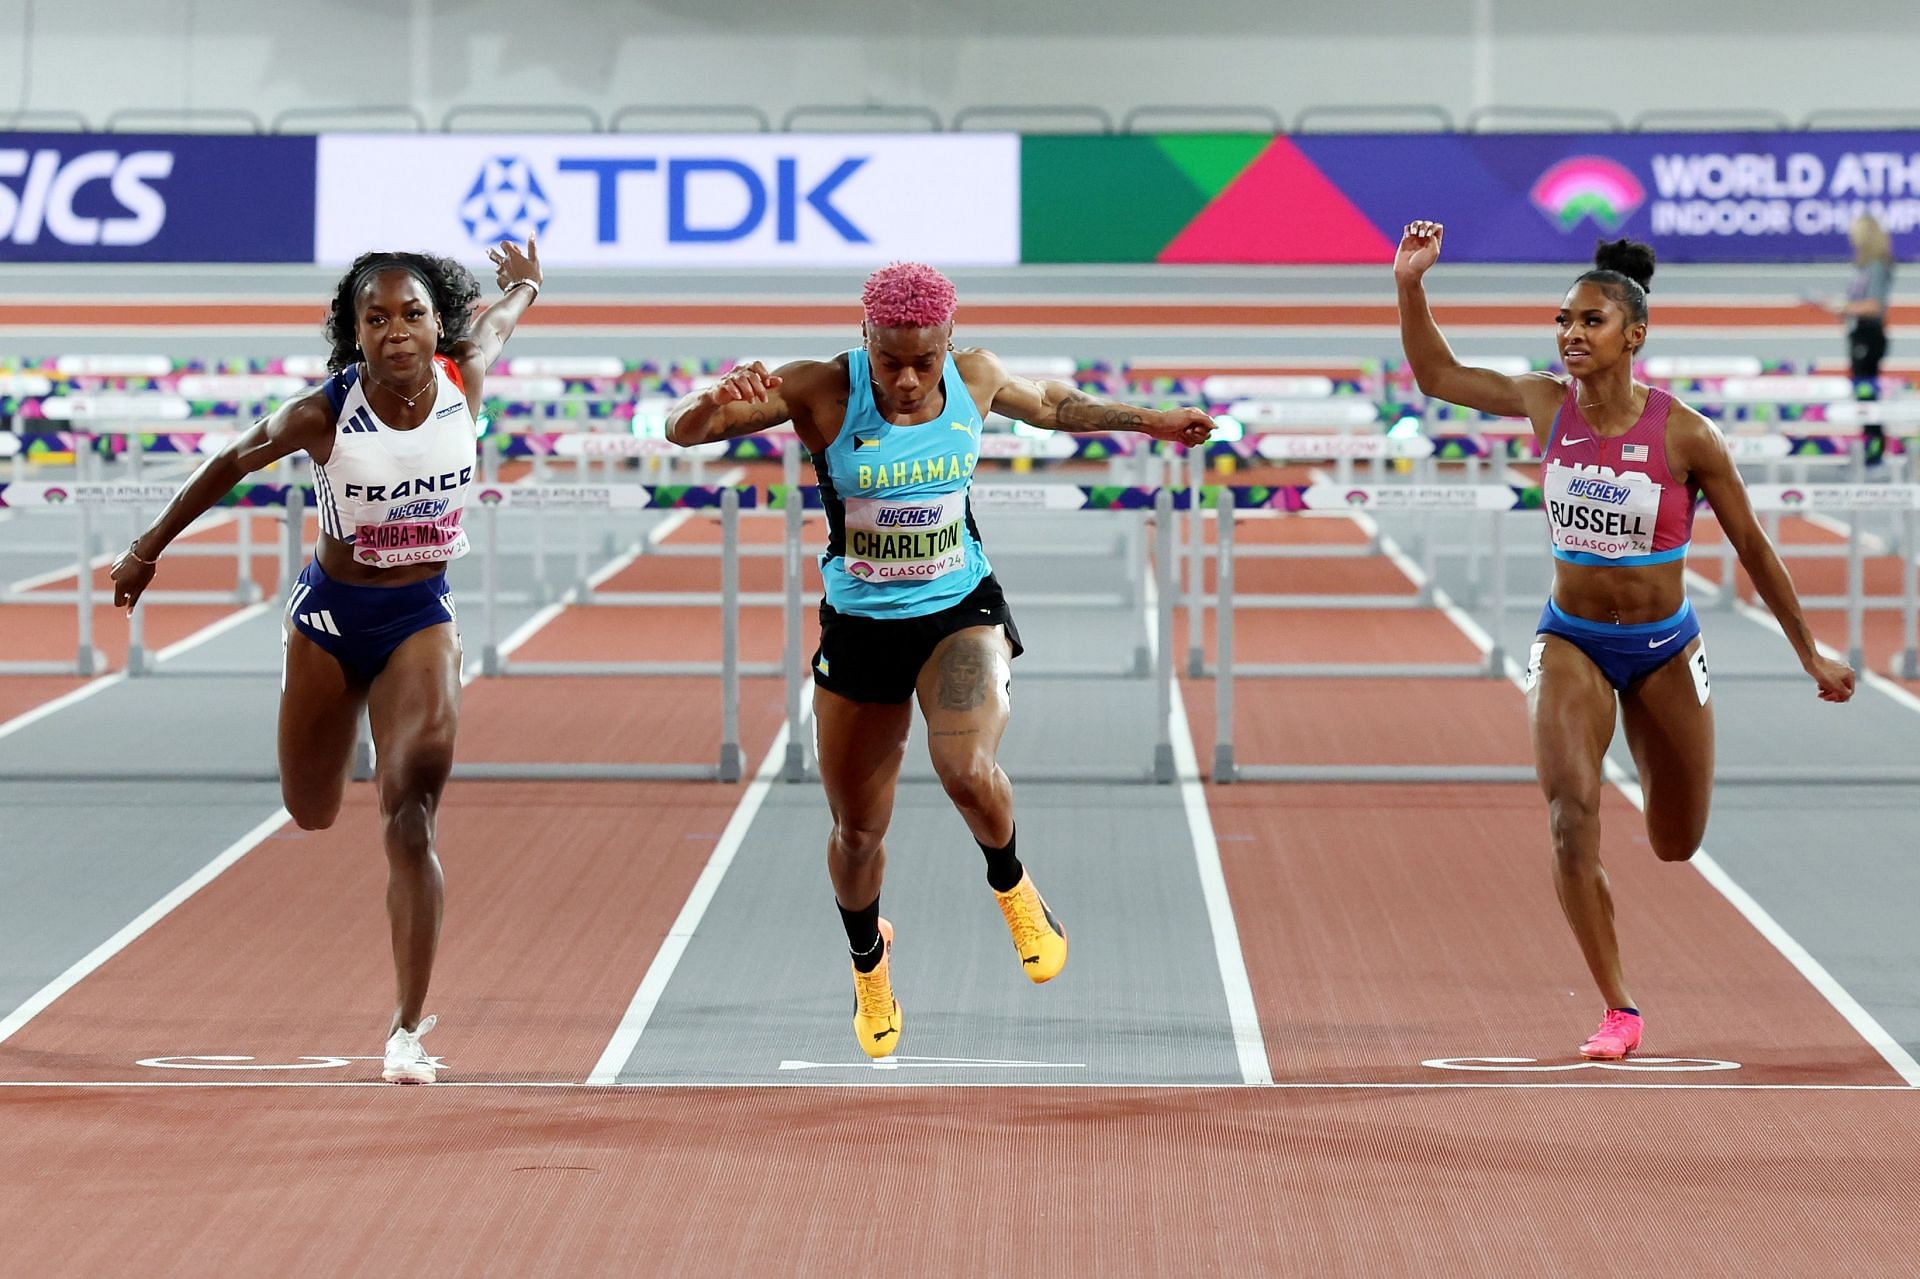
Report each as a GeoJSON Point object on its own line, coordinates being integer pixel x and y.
{"type": "Point", "coordinates": [410, 400]}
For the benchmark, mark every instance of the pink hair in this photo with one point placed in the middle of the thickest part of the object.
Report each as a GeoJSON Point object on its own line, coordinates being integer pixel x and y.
{"type": "Point", "coordinates": [908, 295]}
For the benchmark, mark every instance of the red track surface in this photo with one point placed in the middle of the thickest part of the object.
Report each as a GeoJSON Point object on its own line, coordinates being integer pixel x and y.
{"type": "Point", "coordinates": [1121, 1182]}
{"type": "Point", "coordinates": [1380, 927]}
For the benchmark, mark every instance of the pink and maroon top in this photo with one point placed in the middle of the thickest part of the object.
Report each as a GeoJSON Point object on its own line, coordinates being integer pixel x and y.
{"type": "Point", "coordinates": [1612, 499]}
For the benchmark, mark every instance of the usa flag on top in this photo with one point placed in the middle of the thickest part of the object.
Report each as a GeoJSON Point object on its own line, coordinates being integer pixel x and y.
{"type": "Point", "coordinates": [1633, 452]}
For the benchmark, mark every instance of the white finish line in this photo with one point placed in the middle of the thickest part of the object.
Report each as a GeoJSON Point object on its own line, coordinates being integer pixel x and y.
{"type": "Point", "coordinates": [1533, 1065]}
{"type": "Point", "coordinates": [933, 1063]}
{"type": "Point", "coordinates": [222, 1062]}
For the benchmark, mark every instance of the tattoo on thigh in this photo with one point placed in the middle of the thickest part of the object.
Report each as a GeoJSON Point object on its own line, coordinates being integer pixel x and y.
{"type": "Point", "coordinates": [964, 674]}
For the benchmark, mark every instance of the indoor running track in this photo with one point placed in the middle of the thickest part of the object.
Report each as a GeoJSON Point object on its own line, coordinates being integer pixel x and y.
{"type": "Point", "coordinates": [1270, 1053]}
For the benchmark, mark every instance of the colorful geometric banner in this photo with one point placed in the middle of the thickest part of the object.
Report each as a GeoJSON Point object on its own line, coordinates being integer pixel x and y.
{"type": "Point", "coordinates": [1343, 198]}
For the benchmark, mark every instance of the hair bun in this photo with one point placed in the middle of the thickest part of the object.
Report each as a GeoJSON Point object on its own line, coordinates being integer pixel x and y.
{"type": "Point", "coordinates": [1629, 257]}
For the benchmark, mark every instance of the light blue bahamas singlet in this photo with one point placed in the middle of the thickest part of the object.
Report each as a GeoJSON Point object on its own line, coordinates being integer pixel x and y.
{"type": "Point", "coordinates": [900, 534]}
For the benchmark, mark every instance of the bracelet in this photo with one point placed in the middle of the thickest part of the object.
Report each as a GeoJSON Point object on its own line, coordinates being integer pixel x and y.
{"type": "Point", "coordinates": [136, 555]}
{"type": "Point", "coordinates": [531, 284]}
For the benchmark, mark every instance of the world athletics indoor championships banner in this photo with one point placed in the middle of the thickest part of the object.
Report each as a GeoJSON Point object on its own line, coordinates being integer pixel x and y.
{"type": "Point", "coordinates": [1698, 197]}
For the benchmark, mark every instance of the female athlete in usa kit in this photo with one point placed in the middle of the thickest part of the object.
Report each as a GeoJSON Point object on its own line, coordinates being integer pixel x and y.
{"type": "Point", "coordinates": [1622, 466]}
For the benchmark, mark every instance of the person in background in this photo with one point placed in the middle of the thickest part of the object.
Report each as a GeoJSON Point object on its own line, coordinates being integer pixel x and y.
{"type": "Point", "coordinates": [1864, 308]}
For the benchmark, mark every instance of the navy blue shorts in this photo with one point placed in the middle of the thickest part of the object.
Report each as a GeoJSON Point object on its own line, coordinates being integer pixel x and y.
{"type": "Point", "coordinates": [362, 625]}
{"type": "Point", "coordinates": [1624, 654]}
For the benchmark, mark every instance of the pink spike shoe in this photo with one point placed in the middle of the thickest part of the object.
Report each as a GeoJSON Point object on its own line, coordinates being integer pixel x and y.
{"type": "Point", "coordinates": [1619, 1034]}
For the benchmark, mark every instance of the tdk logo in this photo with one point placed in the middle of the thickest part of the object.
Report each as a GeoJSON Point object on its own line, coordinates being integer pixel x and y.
{"type": "Point", "coordinates": [507, 198]}
{"type": "Point", "coordinates": [506, 203]}
{"type": "Point", "coordinates": [40, 194]}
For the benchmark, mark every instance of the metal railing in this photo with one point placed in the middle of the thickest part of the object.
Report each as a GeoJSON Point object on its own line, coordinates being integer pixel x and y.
{"type": "Point", "coordinates": [1342, 117]}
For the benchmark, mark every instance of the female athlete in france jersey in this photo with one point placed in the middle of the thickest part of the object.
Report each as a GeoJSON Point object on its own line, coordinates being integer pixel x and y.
{"type": "Point", "coordinates": [1622, 466]}
{"type": "Point", "coordinates": [912, 609]}
{"type": "Point", "coordinates": [370, 623]}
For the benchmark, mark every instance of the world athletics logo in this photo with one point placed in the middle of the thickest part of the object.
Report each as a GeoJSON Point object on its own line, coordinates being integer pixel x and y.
{"type": "Point", "coordinates": [1588, 186]}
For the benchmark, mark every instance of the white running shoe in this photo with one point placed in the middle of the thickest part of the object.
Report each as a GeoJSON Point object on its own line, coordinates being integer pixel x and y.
{"type": "Point", "coordinates": [407, 1062]}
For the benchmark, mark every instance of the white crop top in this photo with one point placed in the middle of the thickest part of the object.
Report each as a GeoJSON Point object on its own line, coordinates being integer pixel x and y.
{"type": "Point", "coordinates": [398, 497]}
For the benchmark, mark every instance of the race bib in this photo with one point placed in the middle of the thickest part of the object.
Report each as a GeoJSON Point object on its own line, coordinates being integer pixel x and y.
{"type": "Point", "coordinates": [906, 541]}
{"type": "Point", "coordinates": [417, 541]}
{"type": "Point", "coordinates": [1612, 516]}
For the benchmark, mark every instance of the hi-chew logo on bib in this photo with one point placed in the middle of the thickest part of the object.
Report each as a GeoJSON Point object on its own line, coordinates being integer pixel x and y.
{"type": "Point", "coordinates": [906, 541]}
{"type": "Point", "coordinates": [1594, 511]}
{"type": "Point", "coordinates": [909, 516]}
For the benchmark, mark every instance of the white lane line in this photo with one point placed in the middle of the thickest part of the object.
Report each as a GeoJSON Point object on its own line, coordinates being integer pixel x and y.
{"type": "Point", "coordinates": [146, 919]}
{"type": "Point", "coordinates": [1862, 1021]}
{"type": "Point", "coordinates": [633, 1024]}
{"type": "Point", "coordinates": [946, 1085]}
{"type": "Point", "coordinates": [1243, 1016]}
{"type": "Point", "coordinates": [213, 630]}
{"type": "Point", "coordinates": [1816, 974]}
{"type": "Point", "coordinates": [26, 719]}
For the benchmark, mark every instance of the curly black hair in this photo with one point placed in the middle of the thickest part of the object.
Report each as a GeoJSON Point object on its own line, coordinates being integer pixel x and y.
{"type": "Point", "coordinates": [452, 286]}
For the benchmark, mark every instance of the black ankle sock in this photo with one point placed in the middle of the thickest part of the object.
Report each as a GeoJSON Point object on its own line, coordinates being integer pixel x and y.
{"type": "Point", "coordinates": [863, 935]}
{"type": "Point", "coordinates": [1003, 868]}
{"type": "Point", "coordinates": [1634, 1011]}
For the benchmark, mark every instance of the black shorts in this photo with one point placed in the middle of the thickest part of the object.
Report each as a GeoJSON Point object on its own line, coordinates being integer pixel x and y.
{"type": "Point", "coordinates": [1866, 347]}
{"type": "Point", "coordinates": [878, 659]}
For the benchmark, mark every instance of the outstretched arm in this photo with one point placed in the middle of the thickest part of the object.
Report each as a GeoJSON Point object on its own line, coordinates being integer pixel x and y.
{"type": "Point", "coordinates": [520, 278]}
{"type": "Point", "coordinates": [1533, 395]}
{"type": "Point", "coordinates": [303, 423]}
{"type": "Point", "coordinates": [744, 402]}
{"type": "Point", "coordinates": [1705, 456]}
{"type": "Point", "coordinates": [1056, 406]}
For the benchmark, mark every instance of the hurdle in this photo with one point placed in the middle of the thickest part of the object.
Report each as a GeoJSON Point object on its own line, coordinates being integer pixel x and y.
{"type": "Point", "coordinates": [728, 502]}
{"type": "Point", "coordinates": [87, 499]}
{"type": "Point", "coordinates": [1097, 501]}
{"type": "Point", "coordinates": [1498, 503]}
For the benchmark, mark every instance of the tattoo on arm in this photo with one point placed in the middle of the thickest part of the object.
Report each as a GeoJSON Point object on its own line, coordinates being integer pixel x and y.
{"type": "Point", "coordinates": [1081, 412]}
{"type": "Point", "coordinates": [756, 421]}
